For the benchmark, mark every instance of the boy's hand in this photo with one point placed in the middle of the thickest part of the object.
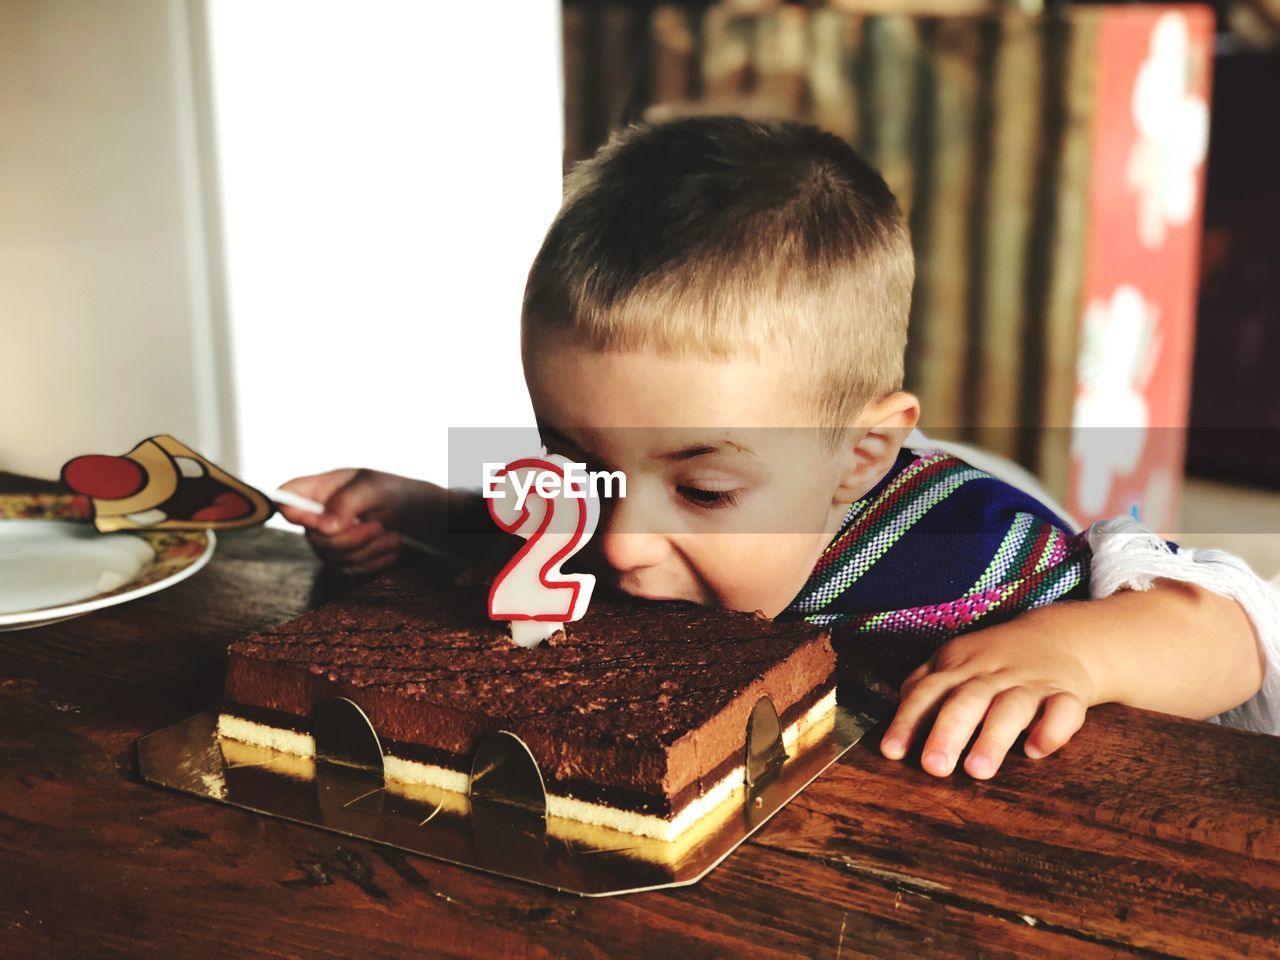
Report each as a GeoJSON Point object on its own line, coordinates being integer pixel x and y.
{"type": "Point", "coordinates": [357, 531]}
{"type": "Point", "coordinates": [1175, 648]}
{"type": "Point", "coordinates": [1007, 678]}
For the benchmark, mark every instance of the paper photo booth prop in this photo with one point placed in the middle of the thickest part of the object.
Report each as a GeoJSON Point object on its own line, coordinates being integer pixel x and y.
{"type": "Point", "coordinates": [162, 484]}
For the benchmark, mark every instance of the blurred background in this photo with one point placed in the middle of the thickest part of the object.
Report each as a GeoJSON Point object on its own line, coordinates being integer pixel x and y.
{"type": "Point", "coordinates": [295, 234]}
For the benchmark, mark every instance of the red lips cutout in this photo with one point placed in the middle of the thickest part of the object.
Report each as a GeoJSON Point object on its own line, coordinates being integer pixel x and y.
{"type": "Point", "coordinates": [227, 506]}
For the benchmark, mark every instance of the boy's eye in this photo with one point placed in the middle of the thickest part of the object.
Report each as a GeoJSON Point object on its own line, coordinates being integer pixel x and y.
{"type": "Point", "coordinates": [708, 499]}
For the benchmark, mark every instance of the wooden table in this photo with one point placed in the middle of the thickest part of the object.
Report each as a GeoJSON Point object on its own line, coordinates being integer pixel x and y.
{"type": "Point", "coordinates": [1146, 834]}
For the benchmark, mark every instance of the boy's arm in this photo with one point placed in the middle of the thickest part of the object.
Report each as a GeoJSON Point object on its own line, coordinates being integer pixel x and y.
{"type": "Point", "coordinates": [368, 512]}
{"type": "Point", "coordinates": [1176, 648]}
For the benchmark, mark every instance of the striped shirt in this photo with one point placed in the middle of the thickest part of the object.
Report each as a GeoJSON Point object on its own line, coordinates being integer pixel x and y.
{"type": "Point", "coordinates": [935, 549]}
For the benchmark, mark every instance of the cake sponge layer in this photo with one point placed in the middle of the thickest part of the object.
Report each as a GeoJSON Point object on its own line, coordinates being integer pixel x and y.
{"type": "Point", "coordinates": [399, 771]}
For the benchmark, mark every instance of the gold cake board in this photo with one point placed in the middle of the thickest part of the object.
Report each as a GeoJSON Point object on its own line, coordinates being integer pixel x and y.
{"type": "Point", "coordinates": [496, 838]}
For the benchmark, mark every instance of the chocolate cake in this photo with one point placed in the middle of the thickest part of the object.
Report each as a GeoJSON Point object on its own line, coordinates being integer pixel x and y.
{"type": "Point", "coordinates": [636, 714]}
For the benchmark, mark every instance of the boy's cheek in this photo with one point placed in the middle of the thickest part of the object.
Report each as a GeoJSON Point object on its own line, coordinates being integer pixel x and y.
{"type": "Point", "coordinates": [762, 572]}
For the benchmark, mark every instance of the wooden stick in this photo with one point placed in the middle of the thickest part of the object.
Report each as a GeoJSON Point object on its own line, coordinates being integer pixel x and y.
{"type": "Point", "coordinates": [289, 499]}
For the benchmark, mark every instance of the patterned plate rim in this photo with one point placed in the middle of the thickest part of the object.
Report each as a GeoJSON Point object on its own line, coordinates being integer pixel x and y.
{"type": "Point", "coordinates": [178, 554]}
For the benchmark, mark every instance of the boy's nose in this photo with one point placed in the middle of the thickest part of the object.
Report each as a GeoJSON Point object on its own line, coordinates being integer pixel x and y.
{"type": "Point", "coordinates": [628, 538]}
{"type": "Point", "coordinates": [631, 551]}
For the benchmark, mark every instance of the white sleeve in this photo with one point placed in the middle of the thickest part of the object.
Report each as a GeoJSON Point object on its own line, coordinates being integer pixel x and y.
{"type": "Point", "coordinates": [1127, 555]}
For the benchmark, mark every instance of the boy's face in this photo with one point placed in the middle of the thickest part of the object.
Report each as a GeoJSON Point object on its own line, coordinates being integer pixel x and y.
{"type": "Point", "coordinates": [737, 521]}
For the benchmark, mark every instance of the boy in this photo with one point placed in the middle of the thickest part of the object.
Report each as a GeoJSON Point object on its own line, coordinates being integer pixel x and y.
{"type": "Point", "coordinates": [712, 289]}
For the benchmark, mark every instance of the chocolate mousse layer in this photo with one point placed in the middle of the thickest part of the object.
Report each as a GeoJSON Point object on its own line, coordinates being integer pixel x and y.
{"type": "Point", "coordinates": [640, 704]}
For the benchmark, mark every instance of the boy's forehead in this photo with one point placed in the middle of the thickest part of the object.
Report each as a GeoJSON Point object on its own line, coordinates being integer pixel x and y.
{"type": "Point", "coordinates": [670, 444]}
{"type": "Point", "coordinates": [580, 389]}
{"type": "Point", "coordinates": [628, 408]}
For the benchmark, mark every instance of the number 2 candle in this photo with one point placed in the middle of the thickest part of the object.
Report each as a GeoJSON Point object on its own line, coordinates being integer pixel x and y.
{"type": "Point", "coordinates": [541, 499]}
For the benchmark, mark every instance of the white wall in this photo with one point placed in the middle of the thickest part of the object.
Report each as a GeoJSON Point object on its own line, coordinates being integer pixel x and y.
{"type": "Point", "coordinates": [106, 334]}
{"type": "Point", "coordinates": [294, 234]}
{"type": "Point", "coordinates": [386, 172]}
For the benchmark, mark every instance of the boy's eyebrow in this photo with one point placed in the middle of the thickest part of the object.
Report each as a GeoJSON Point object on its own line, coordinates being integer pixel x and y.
{"type": "Point", "coordinates": [551, 433]}
{"type": "Point", "coordinates": [699, 449]}
{"type": "Point", "coordinates": [702, 449]}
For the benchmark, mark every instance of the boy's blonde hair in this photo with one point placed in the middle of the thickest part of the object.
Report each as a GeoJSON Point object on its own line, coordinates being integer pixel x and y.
{"type": "Point", "coordinates": [725, 237]}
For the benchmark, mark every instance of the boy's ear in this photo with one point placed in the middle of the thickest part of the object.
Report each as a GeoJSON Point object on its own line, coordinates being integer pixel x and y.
{"type": "Point", "coordinates": [877, 436]}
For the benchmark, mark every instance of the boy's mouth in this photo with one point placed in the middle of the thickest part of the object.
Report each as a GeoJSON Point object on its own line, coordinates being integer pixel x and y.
{"type": "Point", "coordinates": [642, 595]}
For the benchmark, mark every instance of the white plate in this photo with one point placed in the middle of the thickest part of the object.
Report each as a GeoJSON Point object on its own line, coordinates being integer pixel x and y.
{"type": "Point", "coordinates": [53, 569]}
